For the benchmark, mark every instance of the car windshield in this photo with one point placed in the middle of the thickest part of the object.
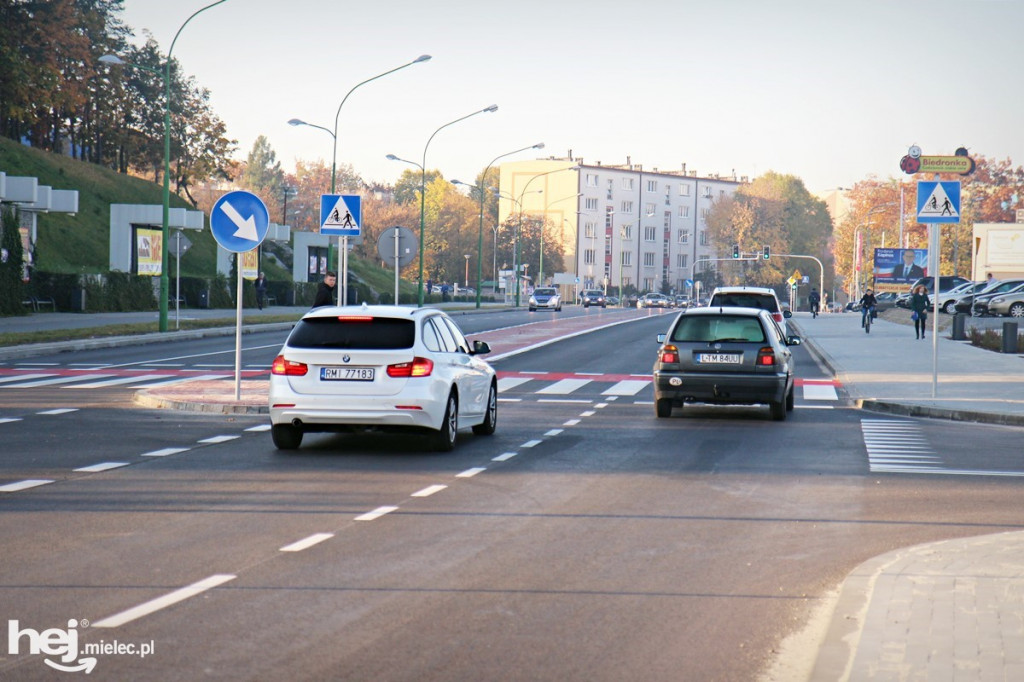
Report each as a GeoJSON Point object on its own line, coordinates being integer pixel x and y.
{"type": "Point", "coordinates": [712, 328]}
{"type": "Point", "coordinates": [361, 333]}
{"type": "Point", "coordinates": [745, 300]}
{"type": "Point", "coordinates": [544, 292]}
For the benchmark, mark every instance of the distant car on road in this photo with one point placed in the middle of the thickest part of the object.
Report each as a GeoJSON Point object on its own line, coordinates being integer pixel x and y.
{"type": "Point", "coordinates": [654, 301]}
{"type": "Point", "coordinates": [352, 368]}
{"type": "Point", "coordinates": [724, 355]}
{"type": "Point", "coordinates": [612, 300]}
{"type": "Point", "coordinates": [751, 297]}
{"type": "Point", "coordinates": [591, 297]}
{"type": "Point", "coordinates": [545, 297]}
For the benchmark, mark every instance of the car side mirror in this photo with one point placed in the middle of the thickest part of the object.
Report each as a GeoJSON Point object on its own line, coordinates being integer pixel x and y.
{"type": "Point", "coordinates": [661, 338]}
{"type": "Point", "coordinates": [481, 348]}
{"type": "Point", "coordinates": [794, 341]}
{"type": "Point", "coordinates": [786, 314]}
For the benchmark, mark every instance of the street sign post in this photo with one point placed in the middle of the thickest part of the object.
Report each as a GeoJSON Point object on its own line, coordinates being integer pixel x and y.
{"type": "Point", "coordinates": [397, 245]}
{"type": "Point", "coordinates": [239, 222]}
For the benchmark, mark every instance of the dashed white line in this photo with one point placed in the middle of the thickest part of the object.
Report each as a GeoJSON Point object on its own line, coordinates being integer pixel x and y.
{"type": "Point", "coordinates": [569, 401]}
{"type": "Point", "coordinates": [218, 439]}
{"type": "Point", "coordinates": [306, 543]}
{"type": "Point", "coordinates": [553, 432]}
{"type": "Point", "coordinates": [470, 473]}
{"type": "Point", "coordinates": [504, 457]}
{"type": "Point", "coordinates": [376, 513]}
{"type": "Point", "coordinates": [429, 490]}
{"type": "Point", "coordinates": [162, 602]}
{"type": "Point", "coordinates": [164, 452]}
{"type": "Point", "coordinates": [24, 485]}
{"type": "Point", "coordinates": [102, 466]}
{"type": "Point", "coordinates": [9, 420]}
{"type": "Point", "coordinates": [571, 422]}
{"type": "Point", "coordinates": [588, 413]}
{"type": "Point", "coordinates": [259, 427]}
{"type": "Point", "coordinates": [60, 410]}
{"type": "Point", "coordinates": [531, 443]}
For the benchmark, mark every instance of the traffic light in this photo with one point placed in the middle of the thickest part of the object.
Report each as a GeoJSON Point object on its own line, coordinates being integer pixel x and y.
{"type": "Point", "coordinates": [767, 252]}
{"type": "Point", "coordinates": [735, 250]}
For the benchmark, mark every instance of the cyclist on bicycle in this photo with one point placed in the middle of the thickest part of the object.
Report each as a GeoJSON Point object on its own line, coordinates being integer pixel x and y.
{"type": "Point", "coordinates": [815, 301]}
{"type": "Point", "coordinates": [867, 305]}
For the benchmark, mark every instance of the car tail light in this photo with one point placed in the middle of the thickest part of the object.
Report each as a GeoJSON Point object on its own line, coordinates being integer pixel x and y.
{"type": "Point", "coordinates": [777, 317]}
{"type": "Point", "coordinates": [288, 368]}
{"type": "Point", "coordinates": [419, 367]}
{"type": "Point", "coordinates": [766, 357]}
{"type": "Point", "coordinates": [355, 318]}
{"type": "Point", "coordinates": [669, 354]}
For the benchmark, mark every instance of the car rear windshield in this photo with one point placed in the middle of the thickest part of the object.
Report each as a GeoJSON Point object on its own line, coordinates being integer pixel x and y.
{"type": "Point", "coordinates": [712, 328]}
{"type": "Point", "coordinates": [377, 333]}
{"type": "Point", "coordinates": [544, 292]}
{"type": "Point", "coordinates": [746, 300]}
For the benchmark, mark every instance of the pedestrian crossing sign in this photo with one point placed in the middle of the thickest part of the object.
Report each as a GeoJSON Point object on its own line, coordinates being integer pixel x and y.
{"type": "Point", "coordinates": [341, 215]}
{"type": "Point", "coordinates": [938, 202]}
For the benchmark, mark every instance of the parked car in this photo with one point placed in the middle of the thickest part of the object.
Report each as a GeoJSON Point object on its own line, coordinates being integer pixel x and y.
{"type": "Point", "coordinates": [591, 297]}
{"type": "Point", "coordinates": [724, 355]}
{"type": "Point", "coordinates": [682, 301]}
{"type": "Point", "coordinates": [545, 297]}
{"type": "Point", "coordinates": [612, 300]}
{"type": "Point", "coordinates": [946, 282]}
{"type": "Point", "coordinates": [965, 304]}
{"type": "Point", "coordinates": [947, 299]}
{"type": "Point", "coordinates": [886, 300]}
{"type": "Point", "coordinates": [1007, 305]}
{"type": "Point", "coordinates": [982, 304]}
{"type": "Point", "coordinates": [751, 297]}
{"type": "Point", "coordinates": [654, 301]}
{"type": "Point", "coordinates": [349, 368]}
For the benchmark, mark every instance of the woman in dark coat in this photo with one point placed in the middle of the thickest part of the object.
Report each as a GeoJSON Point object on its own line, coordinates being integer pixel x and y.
{"type": "Point", "coordinates": [919, 304]}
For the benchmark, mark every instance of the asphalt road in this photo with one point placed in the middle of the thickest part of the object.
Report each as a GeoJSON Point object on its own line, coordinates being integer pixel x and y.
{"type": "Point", "coordinates": [586, 539]}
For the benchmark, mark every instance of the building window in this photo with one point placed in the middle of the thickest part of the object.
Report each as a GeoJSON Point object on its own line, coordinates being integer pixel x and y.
{"type": "Point", "coordinates": [591, 180]}
{"type": "Point", "coordinates": [683, 236]}
{"type": "Point", "coordinates": [608, 214]}
{"type": "Point", "coordinates": [611, 187]}
{"type": "Point", "coordinates": [703, 238]}
{"type": "Point", "coordinates": [649, 259]}
{"type": "Point", "coordinates": [627, 231]}
{"type": "Point", "coordinates": [682, 260]}
{"type": "Point", "coordinates": [649, 283]}
{"type": "Point", "coordinates": [704, 214]}
{"type": "Point", "coordinates": [591, 203]}
{"type": "Point", "coordinates": [684, 190]}
{"type": "Point", "coordinates": [649, 209]}
{"type": "Point", "coordinates": [652, 185]}
{"type": "Point", "coordinates": [627, 183]}
{"type": "Point", "coordinates": [668, 195]}
{"type": "Point", "coordinates": [589, 230]}
{"type": "Point", "coordinates": [706, 192]}
{"type": "Point", "coordinates": [589, 257]}
{"type": "Point", "coordinates": [627, 207]}
{"type": "Point", "coordinates": [626, 258]}
{"type": "Point", "coordinates": [650, 234]}
{"type": "Point", "coordinates": [684, 211]}
{"type": "Point", "coordinates": [667, 224]}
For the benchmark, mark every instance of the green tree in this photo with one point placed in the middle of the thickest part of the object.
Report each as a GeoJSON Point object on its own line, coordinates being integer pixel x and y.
{"type": "Point", "coordinates": [11, 259]}
{"type": "Point", "coordinates": [407, 188]}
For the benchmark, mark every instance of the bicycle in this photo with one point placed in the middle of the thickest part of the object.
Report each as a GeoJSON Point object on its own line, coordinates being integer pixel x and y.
{"type": "Point", "coordinates": [866, 317]}
{"type": "Point", "coordinates": [814, 310]}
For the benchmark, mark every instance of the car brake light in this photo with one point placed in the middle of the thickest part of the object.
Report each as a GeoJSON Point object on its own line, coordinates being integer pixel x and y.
{"type": "Point", "coordinates": [419, 367]}
{"type": "Point", "coordinates": [777, 317]}
{"type": "Point", "coordinates": [766, 357]}
{"type": "Point", "coordinates": [670, 354]}
{"type": "Point", "coordinates": [355, 318]}
{"type": "Point", "coordinates": [288, 368]}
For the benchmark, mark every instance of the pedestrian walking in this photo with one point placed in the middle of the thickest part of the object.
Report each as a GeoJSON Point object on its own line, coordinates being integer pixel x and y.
{"type": "Point", "coordinates": [261, 290]}
{"type": "Point", "coordinates": [919, 305]}
{"type": "Point", "coordinates": [325, 292]}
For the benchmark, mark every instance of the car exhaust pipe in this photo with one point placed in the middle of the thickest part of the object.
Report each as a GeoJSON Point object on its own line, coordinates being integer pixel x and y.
{"type": "Point", "coordinates": [297, 423]}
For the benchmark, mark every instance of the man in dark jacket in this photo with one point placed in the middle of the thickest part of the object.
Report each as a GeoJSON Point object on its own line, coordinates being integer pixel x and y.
{"type": "Point", "coordinates": [325, 292]}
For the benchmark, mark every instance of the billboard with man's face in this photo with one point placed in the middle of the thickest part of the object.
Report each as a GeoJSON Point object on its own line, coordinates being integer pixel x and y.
{"type": "Point", "coordinates": [897, 269]}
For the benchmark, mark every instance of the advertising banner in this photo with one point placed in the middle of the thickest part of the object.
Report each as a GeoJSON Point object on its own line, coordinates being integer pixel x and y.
{"type": "Point", "coordinates": [250, 264]}
{"type": "Point", "coordinates": [897, 269]}
{"type": "Point", "coordinates": [148, 245]}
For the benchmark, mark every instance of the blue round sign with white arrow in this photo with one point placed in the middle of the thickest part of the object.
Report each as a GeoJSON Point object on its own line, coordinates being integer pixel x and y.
{"type": "Point", "coordinates": [239, 221]}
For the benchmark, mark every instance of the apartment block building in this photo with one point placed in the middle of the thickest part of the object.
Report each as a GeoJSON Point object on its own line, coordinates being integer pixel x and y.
{"type": "Point", "coordinates": [620, 225]}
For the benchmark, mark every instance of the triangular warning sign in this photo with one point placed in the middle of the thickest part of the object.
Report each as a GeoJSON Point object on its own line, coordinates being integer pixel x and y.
{"type": "Point", "coordinates": [938, 204]}
{"type": "Point", "coordinates": [340, 216]}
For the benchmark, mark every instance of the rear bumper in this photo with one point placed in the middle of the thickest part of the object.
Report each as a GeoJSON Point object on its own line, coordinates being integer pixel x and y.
{"type": "Point", "coordinates": [737, 389]}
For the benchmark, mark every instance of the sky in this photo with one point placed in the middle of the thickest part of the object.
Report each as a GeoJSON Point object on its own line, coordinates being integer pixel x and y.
{"type": "Point", "coordinates": [831, 92]}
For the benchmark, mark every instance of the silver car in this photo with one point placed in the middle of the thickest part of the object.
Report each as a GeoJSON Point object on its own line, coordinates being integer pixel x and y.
{"type": "Point", "coordinates": [1009, 304]}
{"type": "Point", "coordinates": [724, 356]}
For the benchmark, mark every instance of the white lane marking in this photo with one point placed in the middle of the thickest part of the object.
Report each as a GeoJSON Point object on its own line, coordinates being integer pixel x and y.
{"type": "Point", "coordinates": [118, 382]}
{"type": "Point", "coordinates": [571, 422]}
{"type": "Point", "coordinates": [36, 364]}
{"type": "Point", "coordinates": [59, 410]}
{"type": "Point", "coordinates": [164, 364]}
{"type": "Point", "coordinates": [814, 407]}
{"type": "Point", "coordinates": [507, 383]}
{"type": "Point", "coordinates": [564, 386]}
{"type": "Point", "coordinates": [162, 602]}
{"type": "Point", "coordinates": [626, 387]}
{"type": "Point", "coordinates": [23, 485]}
{"type": "Point", "coordinates": [61, 380]}
{"type": "Point", "coordinates": [510, 400]}
{"type": "Point", "coordinates": [504, 457]}
{"type": "Point", "coordinates": [218, 439]}
{"type": "Point", "coordinates": [213, 364]}
{"type": "Point", "coordinates": [553, 432]}
{"type": "Point", "coordinates": [610, 399]}
{"type": "Point", "coordinates": [9, 420]}
{"type": "Point", "coordinates": [590, 374]}
{"type": "Point", "coordinates": [534, 371]}
{"type": "Point", "coordinates": [102, 466]}
{"type": "Point", "coordinates": [168, 382]}
{"type": "Point", "coordinates": [470, 473]}
{"type": "Point", "coordinates": [429, 490]}
{"type": "Point", "coordinates": [165, 452]}
{"type": "Point", "coordinates": [24, 377]}
{"type": "Point", "coordinates": [820, 392]}
{"type": "Point", "coordinates": [588, 413]}
{"type": "Point", "coordinates": [531, 443]}
{"type": "Point", "coordinates": [259, 427]}
{"type": "Point", "coordinates": [196, 355]}
{"type": "Point", "coordinates": [376, 513]}
{"type": "Point", "coordinates": [306, 543]}
{"type": "Point", "coordinates": [565, 401]}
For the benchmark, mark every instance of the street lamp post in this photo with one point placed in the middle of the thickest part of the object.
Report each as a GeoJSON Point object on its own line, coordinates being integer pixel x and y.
{"type": "Point", "coordinates": [166, 74]}
{"type": "Point", "coordinates": [343, 241]}
{"type": "Point", "coordinates": [423, 185]}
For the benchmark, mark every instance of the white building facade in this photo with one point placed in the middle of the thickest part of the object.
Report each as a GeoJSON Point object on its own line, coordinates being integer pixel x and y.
{"type": "Point", "coordinates": [621, 226]}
